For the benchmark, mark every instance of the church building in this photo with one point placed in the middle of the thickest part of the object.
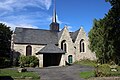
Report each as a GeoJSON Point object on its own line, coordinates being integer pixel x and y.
{"type": "Point", "coordinates": [53, 47]}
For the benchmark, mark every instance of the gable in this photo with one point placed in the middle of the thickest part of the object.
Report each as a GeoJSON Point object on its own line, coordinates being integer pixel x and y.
{"type": "Point", "coordinates": [81, 35]}
{"type": "Point", "coordinates": [64, 34]}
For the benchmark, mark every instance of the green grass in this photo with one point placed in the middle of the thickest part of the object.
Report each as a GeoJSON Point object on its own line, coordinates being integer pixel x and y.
{"type": "Point", "coordinates": [104, 70]}
{"type": "Point", "coordinates": [87, 63]}
{"type": "Point", "coordinates": [87, 74]}
{"type": "Point", "coordinates": [13, 74]}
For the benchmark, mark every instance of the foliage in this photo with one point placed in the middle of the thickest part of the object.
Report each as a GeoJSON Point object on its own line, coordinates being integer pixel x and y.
{"type": "Point", "coordinates": [86, 63]}
{"type": "Point", "coordinates": [5, 39]}
{"type": "Point", "coordinates": [104, 37]}
{"type": "Point", "coordinates": [87, 74]}
{"type": "Point", "coordinates": [13, 74]}
{"type": "Point", "coordinates": [28, 61]}
{"type": "Point", "coordinates": [104, 70]}
{"type": "Point", "coordinates": [4, 62]}
{"type": "Point", "coordinates": [5, 44]}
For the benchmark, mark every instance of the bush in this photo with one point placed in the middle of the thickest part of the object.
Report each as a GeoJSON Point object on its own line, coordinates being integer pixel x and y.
{"type": "Point", "coordinates": [28, 61]}
{"type": "Point", "coordinates": [31, 64]}
{"type": "Point", "coordinates": [104, 70]}
{"type": "Point", "coordinates": [4, 62]}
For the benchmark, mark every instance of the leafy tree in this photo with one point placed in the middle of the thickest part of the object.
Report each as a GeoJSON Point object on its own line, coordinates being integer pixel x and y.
{"type": "Point", "coordinates": [98, 40]}
{"type": "Point", "coordinates": [5, 39]}
{"type": "Point", "coordinates": [113, 21]}
{"type": "Point", "coordinates": [104, 37]}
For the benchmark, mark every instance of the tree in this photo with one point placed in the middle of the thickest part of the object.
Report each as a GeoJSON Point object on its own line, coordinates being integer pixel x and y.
{"type": "Point", "coordinates": [5, 40]}
{"type": "Point", "coordinates": [104, 37]}
{"type": "Point", "coordinates": [98, 40]}
{"type": "Point", "coordinates": [113, 20]}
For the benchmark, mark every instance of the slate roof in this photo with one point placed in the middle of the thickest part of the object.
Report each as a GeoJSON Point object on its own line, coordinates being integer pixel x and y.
{"type": "Point", "coordinates": [74, 35]}
{"type": "Point", "coordinates": [60, 34]}
{"type": "Point", "coordinates": [35, 36]}
{"type": "Point", "coordinates": [51, 48]}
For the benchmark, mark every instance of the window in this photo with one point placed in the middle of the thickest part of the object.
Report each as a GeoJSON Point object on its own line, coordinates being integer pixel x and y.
{"type": "Point", "coordinates": [28, 50]}
{"type": "Point", "coordinates": [70, 59]}
{"type": "Point", "coordinates": [82, 46]}
{"type": "Point", "coordinates": [64, 45]}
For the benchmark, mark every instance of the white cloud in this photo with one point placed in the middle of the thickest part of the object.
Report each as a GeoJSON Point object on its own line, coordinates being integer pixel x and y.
{"type": "Point", "coordinates": [46, 3]}
{"type": "Point", "coordinates": [58, 21]}
{"type": "Point", "coordinates": [11, 5]}
{"type": "Point", "coordinates": [18, 12]}
{"type": "Point", "coordinates": [13, 26]}
{"type": "Point", "coordinates": [27, 20]}
{"type": "Point", "coordinates": [70, 28]}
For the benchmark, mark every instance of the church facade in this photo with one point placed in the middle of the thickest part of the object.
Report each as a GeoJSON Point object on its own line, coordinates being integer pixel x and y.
{"type": "Point", "coordinates": [52, 47]}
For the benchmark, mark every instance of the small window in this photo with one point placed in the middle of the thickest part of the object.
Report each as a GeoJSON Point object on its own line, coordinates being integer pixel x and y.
{"type": "Point", "coordinates": [28, 50]}
{"type": "Point", "coordinates": [82, 46]}
{"type": "Point", "coordinates": [70, 59]}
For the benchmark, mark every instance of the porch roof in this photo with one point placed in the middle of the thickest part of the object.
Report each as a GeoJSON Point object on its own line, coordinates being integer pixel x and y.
{"type": "Point", "coordinates": [51, 48]}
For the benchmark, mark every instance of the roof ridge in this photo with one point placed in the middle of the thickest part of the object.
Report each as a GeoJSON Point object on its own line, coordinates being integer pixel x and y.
{"type": "Point", "coordinates": [32, 28]}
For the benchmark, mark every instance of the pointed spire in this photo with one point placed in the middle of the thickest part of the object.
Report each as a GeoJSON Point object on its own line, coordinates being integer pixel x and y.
{"type": "Point", "coordinates": [54, 26]}
{"type": "Point", "coordinates": [54, 12]}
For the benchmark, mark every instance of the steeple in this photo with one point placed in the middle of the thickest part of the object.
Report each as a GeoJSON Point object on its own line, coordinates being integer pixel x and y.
{"type": "Point", "coordinates": [54, 13]}
{"type": "Point", "coordinates": [54, 26]}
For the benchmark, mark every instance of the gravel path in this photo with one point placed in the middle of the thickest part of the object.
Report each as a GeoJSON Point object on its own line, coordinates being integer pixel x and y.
{"type": "Point", "coordinates": [61, 73]}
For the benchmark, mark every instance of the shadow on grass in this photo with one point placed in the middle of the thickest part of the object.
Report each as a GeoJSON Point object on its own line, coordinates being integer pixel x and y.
{"type": "Point", "coordinates": [6, 78]}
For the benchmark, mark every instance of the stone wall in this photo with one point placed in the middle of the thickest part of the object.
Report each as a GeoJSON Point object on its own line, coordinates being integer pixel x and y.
{"type": "Point", "coordinates": [83, 55]}
{"type": "Point", "coordinates": [70, 46]}
{"type": "Point", "coordinates": [21, 48]}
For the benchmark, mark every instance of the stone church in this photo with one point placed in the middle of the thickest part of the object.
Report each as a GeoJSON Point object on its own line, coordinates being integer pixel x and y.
{"type": "Point", "coordinates": [52, 47]}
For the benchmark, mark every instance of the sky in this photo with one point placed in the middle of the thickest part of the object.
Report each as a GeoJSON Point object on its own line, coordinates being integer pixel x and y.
{"type": "Point", "coordinates": [38, 13]}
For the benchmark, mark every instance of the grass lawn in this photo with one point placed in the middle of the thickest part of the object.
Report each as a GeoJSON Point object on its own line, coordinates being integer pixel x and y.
{"type": "Point", "coordinates": [14, 74]}
{"type": "Point", "coordinates": [104, 70]}
{"type": "Point", "coordinates": [87, 74]}
{"type": "Point", "coordinates": [87, 63]}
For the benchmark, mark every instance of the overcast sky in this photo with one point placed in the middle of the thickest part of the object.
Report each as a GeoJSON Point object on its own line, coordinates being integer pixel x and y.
{"type": "Point", "coordinates": [38, 13]}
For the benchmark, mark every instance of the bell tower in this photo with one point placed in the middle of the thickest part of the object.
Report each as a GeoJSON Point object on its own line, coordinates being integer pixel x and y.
{"type": "Point", "coordinates": [54, 26]}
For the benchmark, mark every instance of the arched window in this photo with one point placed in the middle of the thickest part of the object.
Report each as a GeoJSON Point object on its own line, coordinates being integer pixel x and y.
{"type": "Point", "coordinates": [82, 46]}
{"type": "Point", "coordinates": [28, 50]}
{"type": "Point", "coordinates": [64, 46]}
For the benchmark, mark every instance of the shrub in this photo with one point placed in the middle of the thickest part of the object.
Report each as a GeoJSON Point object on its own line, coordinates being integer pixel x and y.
{"type": "Point", "coordinates": [32, 65]}
{"type": "Point", "coordinates": [5, 62]}
{"type": "Point", "coordinates": [104, 70]}
{"type": "Point", "coordinates": [28, 61]}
